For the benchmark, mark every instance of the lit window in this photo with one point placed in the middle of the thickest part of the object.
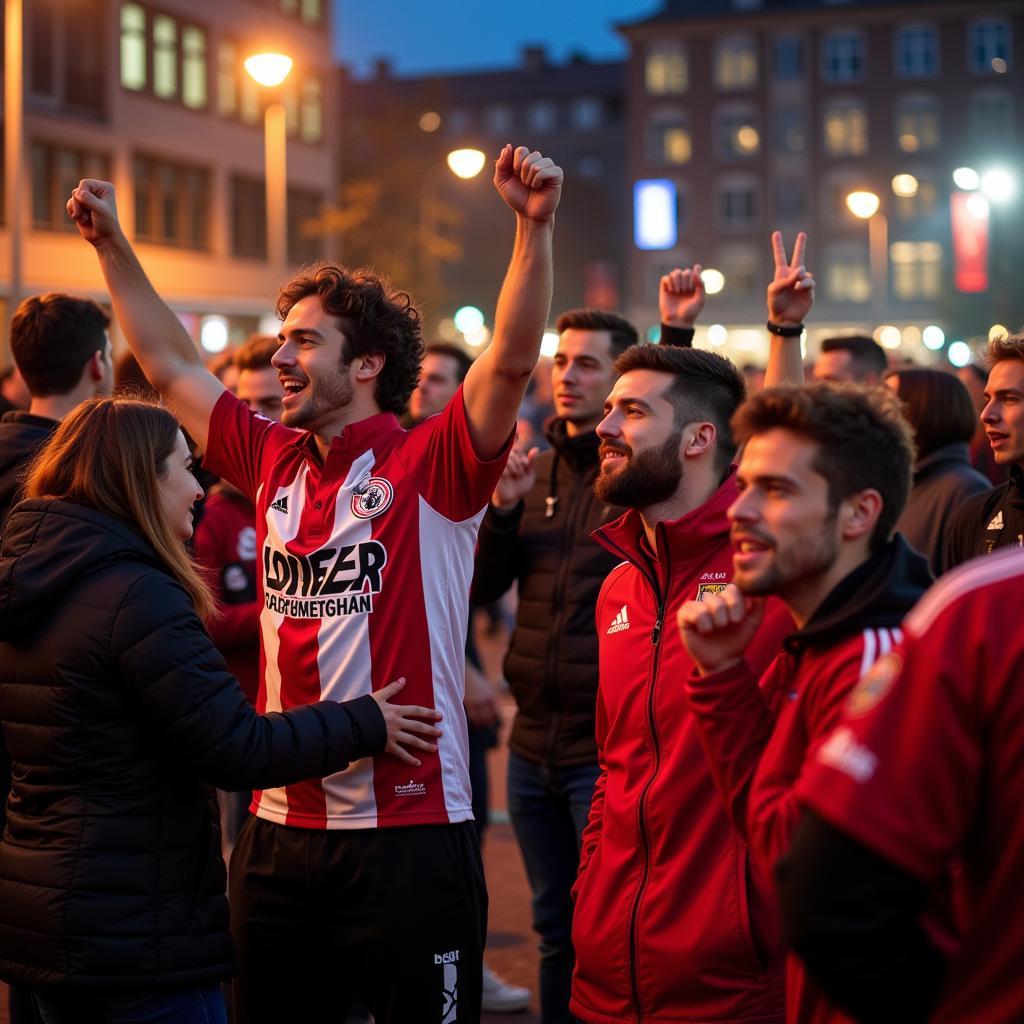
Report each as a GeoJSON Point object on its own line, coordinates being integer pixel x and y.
{"type": "Point", "coordinates": [654, 214]}
{"type": "Point", "coordinates": [542, 117]}
{"type": "Point", "coordinates": [789, 58]}
{"type": "Point", "coordinates": [248, 217]}
{"type": "Point", "coordinates": [847, 274]}
{"type": "Point", "coordinates": [165, 57]}
{"type": "Point", "coordinates": [988, 46]}
{"type": "Point", "coordinates": [737, 205]}
{"type": "Point", "coordinates": [668, 139]}
{"type": "Point", "coordinates": [737, 134]}
{"type": "Point", "coordinates": [790, 131]}
{"type": "Point", "coordinates": [311, 114]}
{"type": "Point", "coordinates": [193, 67]}
{"type": "Point", "coordinates": [227, 78]}
{"type": "Point", "coordinates": [666, 71]}
{"type": "Point", "coordinates": [133, 47]}
{"type": "Point", "coordinates": [923, 203]}
{"type": "Point", "coordinates": [918, 124]}
{"type": "Point", "coordinates": [312, 11]}
{"type": "Point", "coordinates": [916, 269]}
{"type": "Point", "coordinates": [171, 203]}
{"type": "Point", "coordinates": [736, 63]}
{"type": "Point", "coordinates": [843, 58]}
{"type": "Point", "coordinates": [586, 114]}
{"type": "Point", "coordinates": [846, 129]}
{"type": "Point", "coordinates": [56, 170]}
{"type": "Point", "coordinates": [990, 117]}
{"type": "Point", "coordinates": [917, 51]}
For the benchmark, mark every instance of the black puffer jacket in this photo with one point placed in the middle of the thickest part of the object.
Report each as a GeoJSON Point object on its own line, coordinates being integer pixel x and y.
{"type": "Point", "coordinates": [551, 666]}
{"type": "Point", "coordinates": [21, 435]}
{"type": "Point", "coordinates": [117, 713]}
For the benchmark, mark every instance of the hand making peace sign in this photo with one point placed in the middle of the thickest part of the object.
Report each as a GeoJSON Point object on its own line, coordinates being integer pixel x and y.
{"type": "Point", "coordinates": [791, 292]}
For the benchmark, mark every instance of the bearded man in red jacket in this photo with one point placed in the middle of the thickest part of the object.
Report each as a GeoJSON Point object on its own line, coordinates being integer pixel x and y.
{"type": "Point", "coordinates": [824, 476]}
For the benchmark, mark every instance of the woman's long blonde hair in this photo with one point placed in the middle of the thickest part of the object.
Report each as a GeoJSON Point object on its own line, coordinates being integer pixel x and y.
{"type": "Point", "coordinates": [109, 454]}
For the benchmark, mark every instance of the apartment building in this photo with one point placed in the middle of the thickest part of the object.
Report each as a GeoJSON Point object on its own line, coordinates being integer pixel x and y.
{"type": "Point", "coordinates": [153, 96]}
{"type": "Point", "coordinates": [750, 115]}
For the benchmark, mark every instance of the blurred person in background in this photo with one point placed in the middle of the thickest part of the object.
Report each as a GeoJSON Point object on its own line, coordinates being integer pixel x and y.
{"type": "Point", "coordinates": [941, 414]}
{"type": "Point", "coordinates": [852, 358]}
{"type": "Point", "coordinates": [117, 713]}
{"type": "Point", "coordinates": [129, 380]}
{"type": "Point", "coordinates": [13, 392]}
{"type": "Point", "coordinates": [62, 351]}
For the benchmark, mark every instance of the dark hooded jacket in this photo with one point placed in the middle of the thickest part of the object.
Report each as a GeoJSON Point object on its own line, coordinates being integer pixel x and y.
{"type": "Point", "coordinates": [21, 435]}
{"type": "Point", "coordinates": [118, 714]}
{"type": "Point", "coordinates": [987, 521]}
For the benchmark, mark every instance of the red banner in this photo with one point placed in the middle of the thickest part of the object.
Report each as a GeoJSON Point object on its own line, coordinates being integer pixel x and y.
{"type": "Point", "coordinates": [970, 241]}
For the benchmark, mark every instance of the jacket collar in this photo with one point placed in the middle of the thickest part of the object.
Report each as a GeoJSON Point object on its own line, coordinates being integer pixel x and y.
{"type": "Point", "coordinates": [579, 451]}
{"type": "Point", "coordinates": [957, 453]}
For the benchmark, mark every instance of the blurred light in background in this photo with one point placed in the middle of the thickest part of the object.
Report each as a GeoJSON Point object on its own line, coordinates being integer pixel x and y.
{"type": "Point", "coordinates": [268, 69]}
{"type": "Point", "coordinates": [911, 335]}
{"type": "Point", "coordinates": [213, 333]}
{"type": "Point", "coordinates": [468, 318]}
{"type": "Point", "coordinates": [966, 178]}
{"type": "Point", "coordinates": [959, 353]}
{"type": "Point", "coordinates": [717, 334]}
{"type": "Point", "coordinates": [999, 185]}
{"type": "Point", "coordinates": [714, 280]}
{"type": "Point", "coordinates": [933, 337]}
{"type": "Point", "coordinates": [997, 331]}
{"type": "Point", "coordinates": [905, 186]}
{"type": "Point", "coordinates": [889, 336]}
{"type": "Point", "coordinates": [430, 121]}
{"type": "Point", "coordinates": [549, 344]}
{"type": "Point", "coordinates": [654, 214]}
{"type": "Point", "coordinates": [862, 204]}
{"type": "Point", "coordinates": [466, 163]}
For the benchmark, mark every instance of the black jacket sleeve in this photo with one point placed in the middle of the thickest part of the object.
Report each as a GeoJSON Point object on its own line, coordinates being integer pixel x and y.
{"type": "Point", "coordinates": [497, 557]}
{"type": "Point", "coordinates": [167, 661]}
{"type": "Point", "coordinates": [681, 337]}
{"type": "Point", "coordinates": [853, 918]}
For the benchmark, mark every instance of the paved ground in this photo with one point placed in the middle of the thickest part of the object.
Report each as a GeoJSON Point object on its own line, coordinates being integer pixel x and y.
{"type": "Point", "coordinates": [511, 945]}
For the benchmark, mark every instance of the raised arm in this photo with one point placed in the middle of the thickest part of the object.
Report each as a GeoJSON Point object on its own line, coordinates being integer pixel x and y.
{"type": "Point", "coordinates": [531, 185]}
{"type": "Point", "coordinates": [681, 297]}
{"type": "Point", "coordinates": [155, 335]}
{"type": "Point", "coordinates": [790, 297]}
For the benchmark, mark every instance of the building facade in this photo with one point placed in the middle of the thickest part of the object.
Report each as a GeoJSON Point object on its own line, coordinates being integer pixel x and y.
{"type": "Point", "coordinates": [764, 114]}
{"type": "Point", "coordinates": [153, 97]}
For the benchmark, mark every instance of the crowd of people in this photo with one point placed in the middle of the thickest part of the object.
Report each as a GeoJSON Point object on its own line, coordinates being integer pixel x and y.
{"type": "Point", "coordinates": [762, 768]}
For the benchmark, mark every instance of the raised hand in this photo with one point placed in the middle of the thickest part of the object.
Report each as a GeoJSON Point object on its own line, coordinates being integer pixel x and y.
{"type": "Point", "coordinates": [518, 479]}
{"type": "Point", "coordinates": [529, 183]}
{"type": "Point", "coordinates": [791, 292]}
{"type": "Point", "coordinates": [404, 725]}
{"type": "Point", "coordinates": [93, 208]}
{"type": "Point", "coordinates": [681, 296]}
{"type": "Point", "coordinates": [718, 629]}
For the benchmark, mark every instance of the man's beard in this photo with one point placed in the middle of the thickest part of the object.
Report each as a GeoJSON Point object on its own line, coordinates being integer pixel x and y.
{"type": "Point", "coordinates": [650, 477]}
{"type": "Point", "coordinates": [789, 571]}
{"type": "Point", "coordinates": [323, 398]}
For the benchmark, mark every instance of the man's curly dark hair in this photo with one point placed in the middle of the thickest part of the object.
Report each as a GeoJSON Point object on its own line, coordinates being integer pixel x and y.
{"type": "Point", "coordinates": [373, 319]}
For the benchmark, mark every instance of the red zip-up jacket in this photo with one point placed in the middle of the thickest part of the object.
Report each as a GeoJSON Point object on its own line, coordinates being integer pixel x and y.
{"type": "Point", "coordinates": [759, 737]}
{"type": "Point", "coordinates": [672, 923]}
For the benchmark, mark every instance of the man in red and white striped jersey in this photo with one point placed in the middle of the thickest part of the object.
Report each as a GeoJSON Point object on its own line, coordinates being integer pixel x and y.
{"type": "Point", "coordinates": [367, 882]}
{"type": "Point", "coordinates": [824, 476]}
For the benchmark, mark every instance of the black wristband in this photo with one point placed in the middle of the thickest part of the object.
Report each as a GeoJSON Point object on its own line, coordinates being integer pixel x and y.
{"type": "Point", "coordinates": [681, 337]}
{"type": "Point", "coordinates": [785, 332]}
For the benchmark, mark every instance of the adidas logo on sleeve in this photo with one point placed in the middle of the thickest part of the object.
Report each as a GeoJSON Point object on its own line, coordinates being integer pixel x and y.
{"type": "Point", "coordinates": [620, 622]}
{"type": "Point", "coordinates": [996, 523]}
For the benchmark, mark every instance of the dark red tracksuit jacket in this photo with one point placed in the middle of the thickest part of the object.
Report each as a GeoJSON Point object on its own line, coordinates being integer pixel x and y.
{"type": "Point", "coordinates": [671, 921]}
{"type": "Point", "coordinates": [760, 737]}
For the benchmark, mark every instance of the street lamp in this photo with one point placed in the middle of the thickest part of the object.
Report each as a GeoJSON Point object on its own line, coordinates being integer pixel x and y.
{"type": "Point", "coordinates": [270, 70]}
{"type": "Point", "coordinates": [466, 163]}
{"type": "Point", "coordinates": [865, 205]}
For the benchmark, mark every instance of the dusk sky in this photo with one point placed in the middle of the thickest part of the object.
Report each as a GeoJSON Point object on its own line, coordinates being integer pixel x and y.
{"type": "Point", "coordinates": [449, 35]}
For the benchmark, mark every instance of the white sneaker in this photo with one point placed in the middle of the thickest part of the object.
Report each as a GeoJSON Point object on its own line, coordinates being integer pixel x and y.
{"type": "Point", "coordinates": [501, 997]}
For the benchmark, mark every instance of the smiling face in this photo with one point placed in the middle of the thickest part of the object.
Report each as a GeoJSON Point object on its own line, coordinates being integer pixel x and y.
{"type": "Point", "coordinates": [179, 489]}
{"type": "Point", "coordinates": [785, 533]}
{"type": "Point", "coordinates": [1003, 415]}
{"type": "Point", "coordinates": [311, 366]}
{"type": "Point", "coordinates": [640, 456]}
{"type": "Point", "coordinates": [582, 374]}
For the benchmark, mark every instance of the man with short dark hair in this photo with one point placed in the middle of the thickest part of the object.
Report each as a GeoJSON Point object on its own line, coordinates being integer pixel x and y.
{"type": "Point", "coordinates": [995, 519]}
{"type": "Point", "coordinates": [62, 351]}
{"type": "Point", "coordinates": [851, 358]}
{"type": "Point", "coordinates": [824, 476]}
{"type": "Point", "coordinates": [444, 369]}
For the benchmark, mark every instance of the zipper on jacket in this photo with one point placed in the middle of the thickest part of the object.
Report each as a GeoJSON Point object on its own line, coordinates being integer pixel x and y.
{"type": "Point", "coordinates": [641, 809]}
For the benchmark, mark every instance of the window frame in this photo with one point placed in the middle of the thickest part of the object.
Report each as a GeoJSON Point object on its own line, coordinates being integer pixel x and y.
{"type": "Point", "coordinates": [833, 36]}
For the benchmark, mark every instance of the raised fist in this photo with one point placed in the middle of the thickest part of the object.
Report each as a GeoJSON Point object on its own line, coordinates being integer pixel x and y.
{"type": "Point", "coordinates": [529, 183]}
{"type": "Point", "coordinates": [93, 208]}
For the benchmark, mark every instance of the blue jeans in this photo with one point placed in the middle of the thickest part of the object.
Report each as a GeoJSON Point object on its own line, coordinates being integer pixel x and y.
{"type": "Point", "coordinates": [549, 808]}
{"type": "Point", "coordinates": [174, 1006]}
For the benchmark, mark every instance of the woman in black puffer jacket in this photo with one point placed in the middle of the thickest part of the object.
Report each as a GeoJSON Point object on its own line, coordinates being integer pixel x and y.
{"type": "Point", "coordinates": [118, 717]}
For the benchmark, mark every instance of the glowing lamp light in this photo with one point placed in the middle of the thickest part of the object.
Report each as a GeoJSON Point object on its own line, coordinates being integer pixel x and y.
{"type": "Point", "coordinates": [549, 344]}
{"type": "Point", "coordinates": [430, 121]}
{"type": "Point", "coordinates": [911, 335]}
{"type": "Point", "coordinates": [268, 69]}
{"type": "Point", "coordinates": [477, 337]}
{"type": "Point", "coordinates": [713, 280]}
{"type": "Point", "coordinates": [468, 318]}
{"type": "Point", "coordinates": [213, 333]}
{"type": "Point", "coordinates": [933, 337]}
{"type": "Point", "coordinates": [717, 335]}
{"type": "Point", "coordinates": [889, 336]}
{"type": "Point", "coordinates": [466, 163]}
{"type": "Point", "coordinates": [653, 334]}
{"type": "Point", "coordinates": [862, 204]}
{"type": "Point", "coordinates": [654, 214]}
{"type": "Point", "coordinates": [998, 184]}
{"type": "Point", "coordinates": [966, 178]}
{"type": "Point", "coordinates": [959, 353]}
{"type": "Point", "coordinates": [905, 186]}
{"type": "Point", "coordinates": [997, 331]}
{"type": "Point", "coordinates": [747, 139]}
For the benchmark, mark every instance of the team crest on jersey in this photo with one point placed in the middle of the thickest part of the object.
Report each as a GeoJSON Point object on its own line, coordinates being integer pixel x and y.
{"type": "Point", "coordinates": [710, 588]}
{"type": "Point", "coordinates": [874, 687]}
{"type": "Point", "coordinates": [371, 497]}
